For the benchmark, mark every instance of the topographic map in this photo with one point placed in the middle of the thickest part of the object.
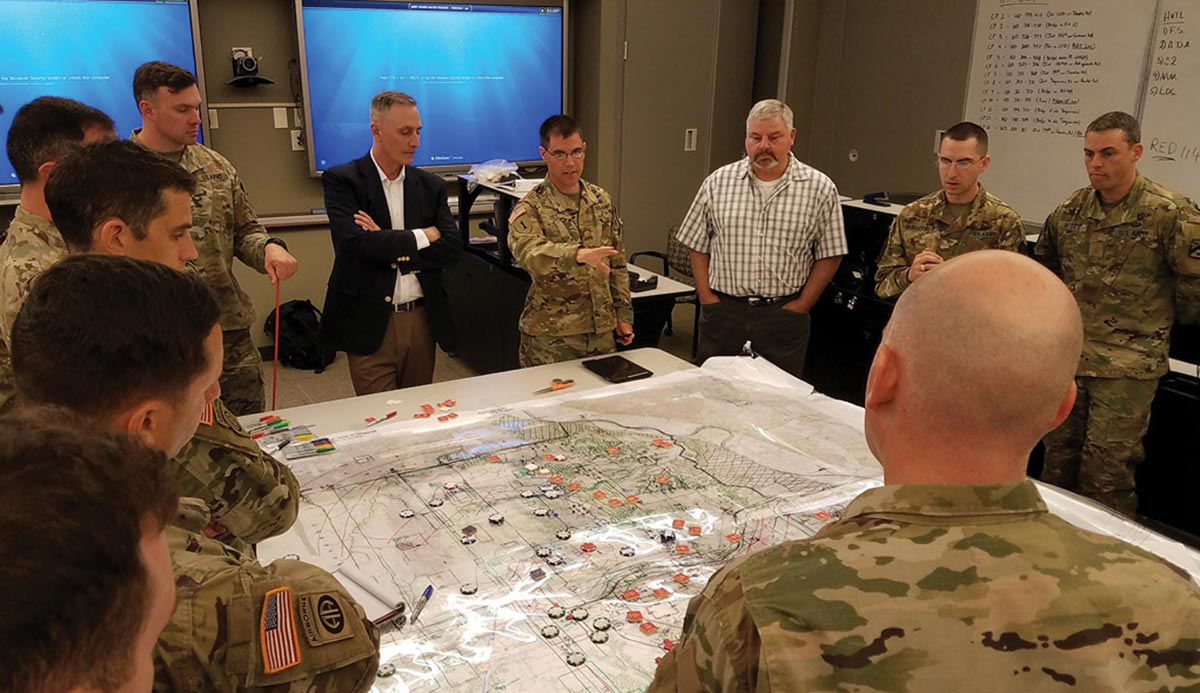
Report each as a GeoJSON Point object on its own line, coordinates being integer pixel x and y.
{"type": "Point", "coordinates": [543, 525]}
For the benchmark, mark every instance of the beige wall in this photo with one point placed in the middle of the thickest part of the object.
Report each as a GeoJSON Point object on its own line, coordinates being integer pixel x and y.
{"type": "Point", "coordinates": [276, 177]}
{"type": "Point", "coordinates": [313, 249]}
{"type": "Point", "coordinates": [884, 92]}
{"type": "Point", "coordinates": [672, 82]}
{"type": "Point", "coordinates": [597, 72]}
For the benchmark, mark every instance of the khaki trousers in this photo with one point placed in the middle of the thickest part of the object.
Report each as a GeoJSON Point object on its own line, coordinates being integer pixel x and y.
{"type": "Point", "coordinates": [405, 358]}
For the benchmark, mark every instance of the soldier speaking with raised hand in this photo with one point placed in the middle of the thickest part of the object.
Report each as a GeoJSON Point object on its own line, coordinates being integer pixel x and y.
{"type": "Point", "coordinates": [1129, 250]}
{"type": "Point", "coordinates": [567, 235]}
{"type": "Point", "coordinates": [959, 218]}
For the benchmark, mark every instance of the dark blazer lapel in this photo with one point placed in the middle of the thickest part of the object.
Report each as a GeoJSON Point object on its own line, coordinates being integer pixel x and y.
{"type": "Point", "coordinates": [375, 197]}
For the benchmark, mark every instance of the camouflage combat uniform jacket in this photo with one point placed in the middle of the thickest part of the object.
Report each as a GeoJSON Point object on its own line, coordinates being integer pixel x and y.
{"type": "Point", "coordinates": [250, 495]}
{"type": "Point", "coordinates": [214, 640]}
{"type": "Point", "coordinates": [928, 223]}
{"type": "Point", "coordinates": [31, 247]}
{"type": "Point", "coordinates": [568, 298]}
{"type": "Point", "coordinates": [1130, 269]}
{"type": "Point", "coordinates": [936, 588]}
{"type": "Point", "coordinates": [224, 225]}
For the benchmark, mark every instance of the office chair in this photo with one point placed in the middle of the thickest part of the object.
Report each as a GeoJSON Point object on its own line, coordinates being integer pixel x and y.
{"type": "Point", "coordinates": [677, 258]}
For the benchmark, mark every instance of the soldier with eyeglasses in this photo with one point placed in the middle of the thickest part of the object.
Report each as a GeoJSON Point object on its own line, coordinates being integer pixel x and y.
{"type": "Point", "coordinates": [957, 219]}
{"type": "Point", "coordinates": [566, 233]}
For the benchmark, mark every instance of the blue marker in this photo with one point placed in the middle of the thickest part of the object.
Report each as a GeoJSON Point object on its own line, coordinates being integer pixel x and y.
{"type": "Point", "coordinates": [421, 603]}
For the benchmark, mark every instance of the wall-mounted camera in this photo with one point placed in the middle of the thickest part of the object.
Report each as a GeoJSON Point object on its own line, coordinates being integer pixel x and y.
{"type": "Point", "coordinates": [245, 69]}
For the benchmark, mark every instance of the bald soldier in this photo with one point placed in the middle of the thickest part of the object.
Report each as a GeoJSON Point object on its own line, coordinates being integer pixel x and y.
{"type": "Point", "coordinates": [117, 198]}
{"type": "Point", "coordinates": [953, 571]}
{"type": "Point", "coordinates": [135, 347]}
{"type": "Point", "coordinates": [957, 219]}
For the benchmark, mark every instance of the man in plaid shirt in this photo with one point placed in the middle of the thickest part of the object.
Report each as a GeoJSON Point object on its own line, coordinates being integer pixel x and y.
{"type": "Point", "coordinates": [767, 236]}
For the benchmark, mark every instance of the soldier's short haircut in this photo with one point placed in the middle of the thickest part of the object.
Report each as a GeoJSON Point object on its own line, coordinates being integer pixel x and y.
{"type": "Point", "coordinates": [1118, 120]}
{"type": "Point", "coordinates": [74, 506]}
{"type": "Point", "coordinates": [111, 180]}
{"type": "Point", "coordinates": [561, 125]}
{"type": "Point", "coordinates": [47, 128]}
{"type": "Point", "coordinates": [966, 130]}
{"type": "Point", "coordinates": [769, 108]}
{"type": "Point", "coordinates": [149, 77]}
{"type": "Point", "coordinates": [100, 333]}
{"type": "Point", "coordinates": [382, 102]}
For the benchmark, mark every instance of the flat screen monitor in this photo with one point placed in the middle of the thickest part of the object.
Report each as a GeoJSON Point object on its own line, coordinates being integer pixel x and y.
{"type": "Point", "coordinates": [87, 50]}
{"type": "Point", "coordinates": [484, 75]}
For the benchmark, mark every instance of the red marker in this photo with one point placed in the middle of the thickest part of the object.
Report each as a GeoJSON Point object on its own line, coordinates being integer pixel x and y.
{"type": "Point", "coordinates": [390, 415]}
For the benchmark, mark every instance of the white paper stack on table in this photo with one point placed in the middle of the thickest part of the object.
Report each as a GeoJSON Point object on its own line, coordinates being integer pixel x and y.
{"type": "Point", "coordinates": [381, 602]}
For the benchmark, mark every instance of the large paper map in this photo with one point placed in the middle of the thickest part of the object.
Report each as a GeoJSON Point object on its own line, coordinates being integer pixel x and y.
{"type": "Point", "coordinates": [542, 525]}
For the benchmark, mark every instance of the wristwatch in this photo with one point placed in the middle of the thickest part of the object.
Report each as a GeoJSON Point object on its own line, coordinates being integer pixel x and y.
{"type": "Point", "coordinates": [276, 241]}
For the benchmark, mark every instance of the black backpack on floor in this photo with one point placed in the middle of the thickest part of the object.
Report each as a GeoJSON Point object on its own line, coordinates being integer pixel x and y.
{"type": "Point", "coordinates": [299, 340]}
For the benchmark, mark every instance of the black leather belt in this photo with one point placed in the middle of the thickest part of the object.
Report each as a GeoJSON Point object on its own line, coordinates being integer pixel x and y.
{"type": "Point", "coordinates": [758, 300]}
{"type": "Point", "coordinates": [411, 305]}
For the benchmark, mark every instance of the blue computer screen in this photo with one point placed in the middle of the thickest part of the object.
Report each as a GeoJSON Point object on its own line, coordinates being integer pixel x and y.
{"type": "Point", "coordinates": [484, 76]}
{"type": "Point", "coordinates": [86, 50]}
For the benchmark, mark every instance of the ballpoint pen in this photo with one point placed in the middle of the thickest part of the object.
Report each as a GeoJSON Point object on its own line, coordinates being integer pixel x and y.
{"type": "Point", "coordinates": [421, 603]}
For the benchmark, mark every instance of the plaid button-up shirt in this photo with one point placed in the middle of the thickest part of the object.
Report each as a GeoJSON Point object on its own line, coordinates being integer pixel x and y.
{"type": "Point", "coordinates": [760, 247]}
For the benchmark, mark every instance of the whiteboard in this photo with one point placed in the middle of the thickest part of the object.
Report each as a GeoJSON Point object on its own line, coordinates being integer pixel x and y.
{"type": "Point", "coordinates": [1040, 72]}
{"type": "Point", "coordinates": [1171, 112]}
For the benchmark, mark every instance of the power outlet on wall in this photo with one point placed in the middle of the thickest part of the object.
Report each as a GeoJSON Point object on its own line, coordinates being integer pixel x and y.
{"type": "Point", "coordinates": [690, 135]}
{"type": "Point", "coordinates": [297, 137]}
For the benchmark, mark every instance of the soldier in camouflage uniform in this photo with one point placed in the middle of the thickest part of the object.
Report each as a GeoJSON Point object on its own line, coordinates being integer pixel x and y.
{"type": "Point", "coordinates": [224, 222]}
{"type": "Point", "coordinates": [957, 219]}
{"type": "Point", "coordinates": [567, 235]}
{"type": "Point", "coordinates": [250, 495]}
{"type": "Point", "coordinates": [215, 639]}
{"type": "Point", "coordinates": [41, 132]}
{"type": "Point", "coordinates": [1129, 249]}
{"type": "Point", "coordinates": [954, 571]}
{"type": "Point", "coordinates": [226, 601]}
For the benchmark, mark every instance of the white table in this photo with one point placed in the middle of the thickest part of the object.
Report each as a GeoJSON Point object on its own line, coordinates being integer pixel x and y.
{"type": "Point", "coordinates": [515, 609]}
{"type": "Point", "coordinates": [480, 392]}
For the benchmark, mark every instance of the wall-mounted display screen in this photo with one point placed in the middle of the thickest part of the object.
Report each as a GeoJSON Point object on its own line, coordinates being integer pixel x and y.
{"type": "Point", "coordinates": [484, 75]}
{"type": "Point", "coordinates": [87, 50]}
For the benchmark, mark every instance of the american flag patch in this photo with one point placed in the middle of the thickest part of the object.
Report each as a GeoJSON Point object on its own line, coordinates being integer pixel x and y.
{"type": "Point", "coordinates": [280, 648]}
{"type": "Point", "coordinates": [206, 418]}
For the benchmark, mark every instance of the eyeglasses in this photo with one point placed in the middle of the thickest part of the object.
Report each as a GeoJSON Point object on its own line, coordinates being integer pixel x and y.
{"type": "Point", "coordinates": [559, 155]}
{"type": "Point", "coordinates": [961, 164]}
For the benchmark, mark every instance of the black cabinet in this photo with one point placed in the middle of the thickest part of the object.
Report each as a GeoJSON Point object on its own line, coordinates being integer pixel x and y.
{"type": "Point", "coordinates": [487, 300]}
{"type": "Point", "coordinates": [848, 319]}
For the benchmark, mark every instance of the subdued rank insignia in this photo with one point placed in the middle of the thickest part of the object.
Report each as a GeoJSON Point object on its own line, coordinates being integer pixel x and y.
{"type": "Point", "coordinates": [324, 619]}
{"type": "Point", "coordinates": [1194, 249]}
{"type": "Point", "coordinates": [280, 645]}
{"type": "Point", "coordinates": [206, 419]}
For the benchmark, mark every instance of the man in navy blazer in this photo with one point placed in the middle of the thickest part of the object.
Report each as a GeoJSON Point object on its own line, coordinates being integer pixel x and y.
{"type": "Point", "coordinates": [393, 234]}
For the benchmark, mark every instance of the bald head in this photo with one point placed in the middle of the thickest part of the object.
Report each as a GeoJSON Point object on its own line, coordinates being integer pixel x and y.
{"type": "Point", "coordinates": [984, 349]}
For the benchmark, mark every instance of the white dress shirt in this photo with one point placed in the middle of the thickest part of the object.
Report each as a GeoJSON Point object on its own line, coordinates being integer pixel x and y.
{"type": "Point", "coordinates": [407, 287]}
